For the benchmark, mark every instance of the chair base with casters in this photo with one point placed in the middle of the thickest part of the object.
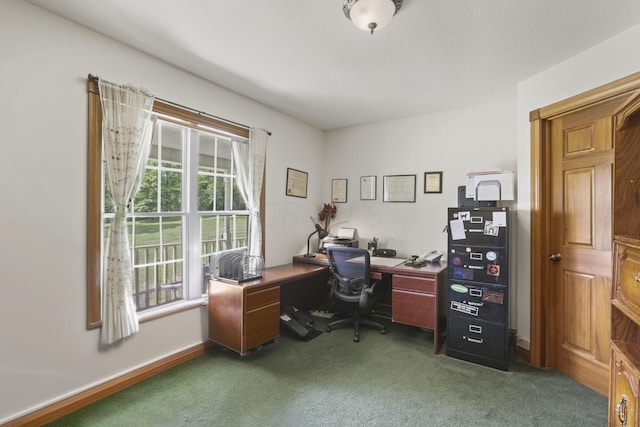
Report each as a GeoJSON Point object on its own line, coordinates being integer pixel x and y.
{"type": "Point", "coordinates": [356, 321]}
{"type": "Point", "coordinates": [351, 287]}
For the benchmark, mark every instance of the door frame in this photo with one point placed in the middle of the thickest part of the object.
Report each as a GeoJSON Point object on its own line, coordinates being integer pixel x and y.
{"type": "Point", "coordinates": [540, 278]}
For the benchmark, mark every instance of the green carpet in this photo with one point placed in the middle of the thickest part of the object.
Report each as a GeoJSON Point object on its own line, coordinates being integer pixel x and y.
{"type": "Point", "coordinates": [384, 380]}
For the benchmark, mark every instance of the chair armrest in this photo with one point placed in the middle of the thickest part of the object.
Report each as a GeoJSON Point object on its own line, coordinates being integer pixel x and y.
{"type": "Point", "coordinates": [367, 293]}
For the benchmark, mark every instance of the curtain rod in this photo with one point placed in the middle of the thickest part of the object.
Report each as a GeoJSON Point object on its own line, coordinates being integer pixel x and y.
{"type": "Point", "coordinates": [193, 110]}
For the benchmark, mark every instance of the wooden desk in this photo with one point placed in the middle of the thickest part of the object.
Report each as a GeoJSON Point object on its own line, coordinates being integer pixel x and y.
{"type": "Point", "coordinates": [418, 295]}
{"type": "Point", "coordinates": [246, 315]}
{"type": "Point", "coordinates": [243, 316]}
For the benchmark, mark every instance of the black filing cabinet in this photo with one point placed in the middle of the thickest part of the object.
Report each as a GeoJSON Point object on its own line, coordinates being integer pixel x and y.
{"type": "Point", "coordinates": [478, 284]}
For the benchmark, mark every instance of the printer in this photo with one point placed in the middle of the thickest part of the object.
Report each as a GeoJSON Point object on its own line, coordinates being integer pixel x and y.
{"type": "Point", "coordinates": [346, 237]}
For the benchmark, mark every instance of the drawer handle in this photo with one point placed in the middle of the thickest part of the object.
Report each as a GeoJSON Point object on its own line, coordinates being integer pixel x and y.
{"type": "Point", "coordinates": [477, 341]}
{"type": "Point", "coordinates": [477, 304]}
{"type": "Point", "coordinates": [638, 277]}
{"type": "Point", "coordinates": [475, 329]}
{"type": "Point", "coordinates": [621, 410]}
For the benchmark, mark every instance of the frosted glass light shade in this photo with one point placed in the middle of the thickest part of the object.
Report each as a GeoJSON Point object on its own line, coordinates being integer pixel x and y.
{"type": "Point", "coordinates": [368, 15]}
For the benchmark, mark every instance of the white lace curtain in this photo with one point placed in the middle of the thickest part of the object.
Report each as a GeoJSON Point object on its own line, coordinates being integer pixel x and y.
{"type": "Point", "coordinates": [126, 134]}
{"type": "Point", "coordinates": [249, 158]}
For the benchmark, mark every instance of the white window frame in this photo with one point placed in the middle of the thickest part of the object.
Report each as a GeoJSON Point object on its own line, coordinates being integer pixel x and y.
{"type": "Point", "coordinates": [192, 267]}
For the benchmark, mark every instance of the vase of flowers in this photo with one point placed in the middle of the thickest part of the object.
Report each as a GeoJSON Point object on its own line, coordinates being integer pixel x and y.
{"type": "Point", "coordinates": [327, 213]}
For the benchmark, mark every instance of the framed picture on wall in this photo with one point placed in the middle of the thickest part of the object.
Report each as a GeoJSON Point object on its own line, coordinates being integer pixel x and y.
{"type": "Point", "coordinates": [433, 182]}
{"type": "Point", "coordinates": [339, 191]}
{"type": "Point", "coordinates": [367, 188]}
{"type": "Point", "coordinates": [399, 188]}
{"type": "Point", "coordinates": [297, 183]}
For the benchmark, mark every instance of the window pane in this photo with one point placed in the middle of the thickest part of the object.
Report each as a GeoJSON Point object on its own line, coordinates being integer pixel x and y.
{"type": "Point", "coordinates": [205, 192]}
{"type": "Point", "coordinates": [238, 201]}
{"type": "Point", "coordinates": [207, 154]}
{"type": "Point", "coordinates": [146, 199]}
{"type": "Point", "coordinates": [171, 191]}
{"type": "Point", "coordinates": [146, 240]}
{"type": "Point", "coordinates": [167, 145]}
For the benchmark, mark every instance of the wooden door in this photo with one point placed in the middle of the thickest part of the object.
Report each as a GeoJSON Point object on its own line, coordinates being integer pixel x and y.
{"type": "Point", "coordinates": [579, 293]}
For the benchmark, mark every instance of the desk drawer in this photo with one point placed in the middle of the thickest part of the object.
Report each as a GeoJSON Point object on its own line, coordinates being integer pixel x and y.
{"type": "Point", "coordinates": [414, 308]}
{"type": "Point", "coordinates": [262, 297]}
{"type": "Point", "coordinates": [413, 283]}
{"type": "Point", "coordinates": [261, 325]}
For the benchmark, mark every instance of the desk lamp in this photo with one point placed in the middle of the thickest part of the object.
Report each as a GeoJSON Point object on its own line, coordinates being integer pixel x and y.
{"type": "Point", "coordinates": [322, 233]}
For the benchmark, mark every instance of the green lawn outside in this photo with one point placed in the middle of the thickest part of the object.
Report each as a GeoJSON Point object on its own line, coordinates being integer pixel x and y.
{"type": "Point", "coordinates": [147, 230]}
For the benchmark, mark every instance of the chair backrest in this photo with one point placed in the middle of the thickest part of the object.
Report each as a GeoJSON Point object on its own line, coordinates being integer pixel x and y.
{"type": "Point", "coordinates": [351, 263]}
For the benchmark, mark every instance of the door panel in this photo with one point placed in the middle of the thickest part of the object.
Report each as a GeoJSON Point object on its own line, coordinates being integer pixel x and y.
{"type": "Point", "coordinates": [580, 230]}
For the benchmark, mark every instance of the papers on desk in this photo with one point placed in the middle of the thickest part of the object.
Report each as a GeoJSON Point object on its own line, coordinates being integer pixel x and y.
{"type": "Point", "coordinates": [380, 260]}
{"type": "Point", "coordinates": [387, 262]}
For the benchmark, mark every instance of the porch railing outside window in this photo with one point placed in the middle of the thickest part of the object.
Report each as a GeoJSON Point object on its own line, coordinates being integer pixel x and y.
{"type": "Point", "coordinates": [157, 283]}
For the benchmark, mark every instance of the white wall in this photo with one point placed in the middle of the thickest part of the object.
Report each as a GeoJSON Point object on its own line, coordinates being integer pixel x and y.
{"type": "Point", "coordinates": [46, 353]}
{"type": "Point", "coordinates": [615, 58]}
{"type": "Point", "coordinates": [454, 142]}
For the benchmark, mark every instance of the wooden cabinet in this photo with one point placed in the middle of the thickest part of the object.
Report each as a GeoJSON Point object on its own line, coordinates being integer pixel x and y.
{"type": "Point", "coordinates": [625, 304]}
{"type": "Point", "coordinates": [242, 317]}
{"type": "Point", "coordinates": [625, 333]}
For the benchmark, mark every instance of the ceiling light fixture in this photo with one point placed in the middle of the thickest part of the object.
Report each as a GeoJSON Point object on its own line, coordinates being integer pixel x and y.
{"type": "Point", "coordinates": [369, 15]}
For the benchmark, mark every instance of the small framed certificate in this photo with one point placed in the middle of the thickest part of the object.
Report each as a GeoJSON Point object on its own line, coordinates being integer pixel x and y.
{"type": "Point", "coordinates": [297, 183]}
{"type": "Point", "coordinates": [433, 182]}
{"type": "Point", "coordinates": [367, 188]}
{"type": "Point", "coordinates": [339, 191]}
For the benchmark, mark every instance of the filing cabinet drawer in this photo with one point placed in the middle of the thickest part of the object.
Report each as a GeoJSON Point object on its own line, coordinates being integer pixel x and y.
{"type": "Point", "coordinates": [413, 283]}
{"type": "Point", "coordinates": [477, 337]}
{"type": "Point", "coordinates": [478, 264]}
{"type": "Point", "coordinates": [627, 285]}
{"type": "Point", "coordinates": [414, 308]}
{"type": "Point", "coordinates": [478, 300]}
{"type": "Point", "coordinates": [478, 227]}
{"type": "Point", "coordinates": [262, 297]}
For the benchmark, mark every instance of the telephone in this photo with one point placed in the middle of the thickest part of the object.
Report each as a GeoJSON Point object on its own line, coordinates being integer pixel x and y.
{"type": "Point", "coordinates": [422, 260]}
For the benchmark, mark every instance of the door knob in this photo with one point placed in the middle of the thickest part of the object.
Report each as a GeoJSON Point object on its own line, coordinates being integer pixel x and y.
{"type": "Point", "coordinates": [555, 257]}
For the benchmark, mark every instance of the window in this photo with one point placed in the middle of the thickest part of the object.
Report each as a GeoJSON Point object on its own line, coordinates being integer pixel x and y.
{"type": "Point", "coordinates": [188, 207]}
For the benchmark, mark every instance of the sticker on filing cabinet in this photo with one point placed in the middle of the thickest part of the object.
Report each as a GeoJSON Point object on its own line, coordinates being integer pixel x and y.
{"type": "Point", "coordinates": [464, 215]}
{"type": "Point", "coordinates": [461, 289]}
{"type": "Point", "coordinates": [457, 229]}
{"type": "Point", "coordinates": [493, 270]}
{"type": "Point", "coordinates": [462, 273]}
{"type": "Point", "coordinates": [490, 229]}
{"type": "Point", "coordinates": [491, 256]}
{"type": "Point", "coordinates": [494, 297]}
{"type": "Point", "coordinates": [500, 219]}
{"type": "Point", "coordinates": [464, 308]}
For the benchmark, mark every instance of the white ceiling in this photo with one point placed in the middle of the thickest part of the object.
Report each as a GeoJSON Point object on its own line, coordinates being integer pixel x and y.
{"type": "Point", "coordinates": [305, 59]}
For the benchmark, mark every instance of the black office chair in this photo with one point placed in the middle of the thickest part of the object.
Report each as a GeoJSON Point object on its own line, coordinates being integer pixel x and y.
{"type": "Point", "coordinates": [351, 287]}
